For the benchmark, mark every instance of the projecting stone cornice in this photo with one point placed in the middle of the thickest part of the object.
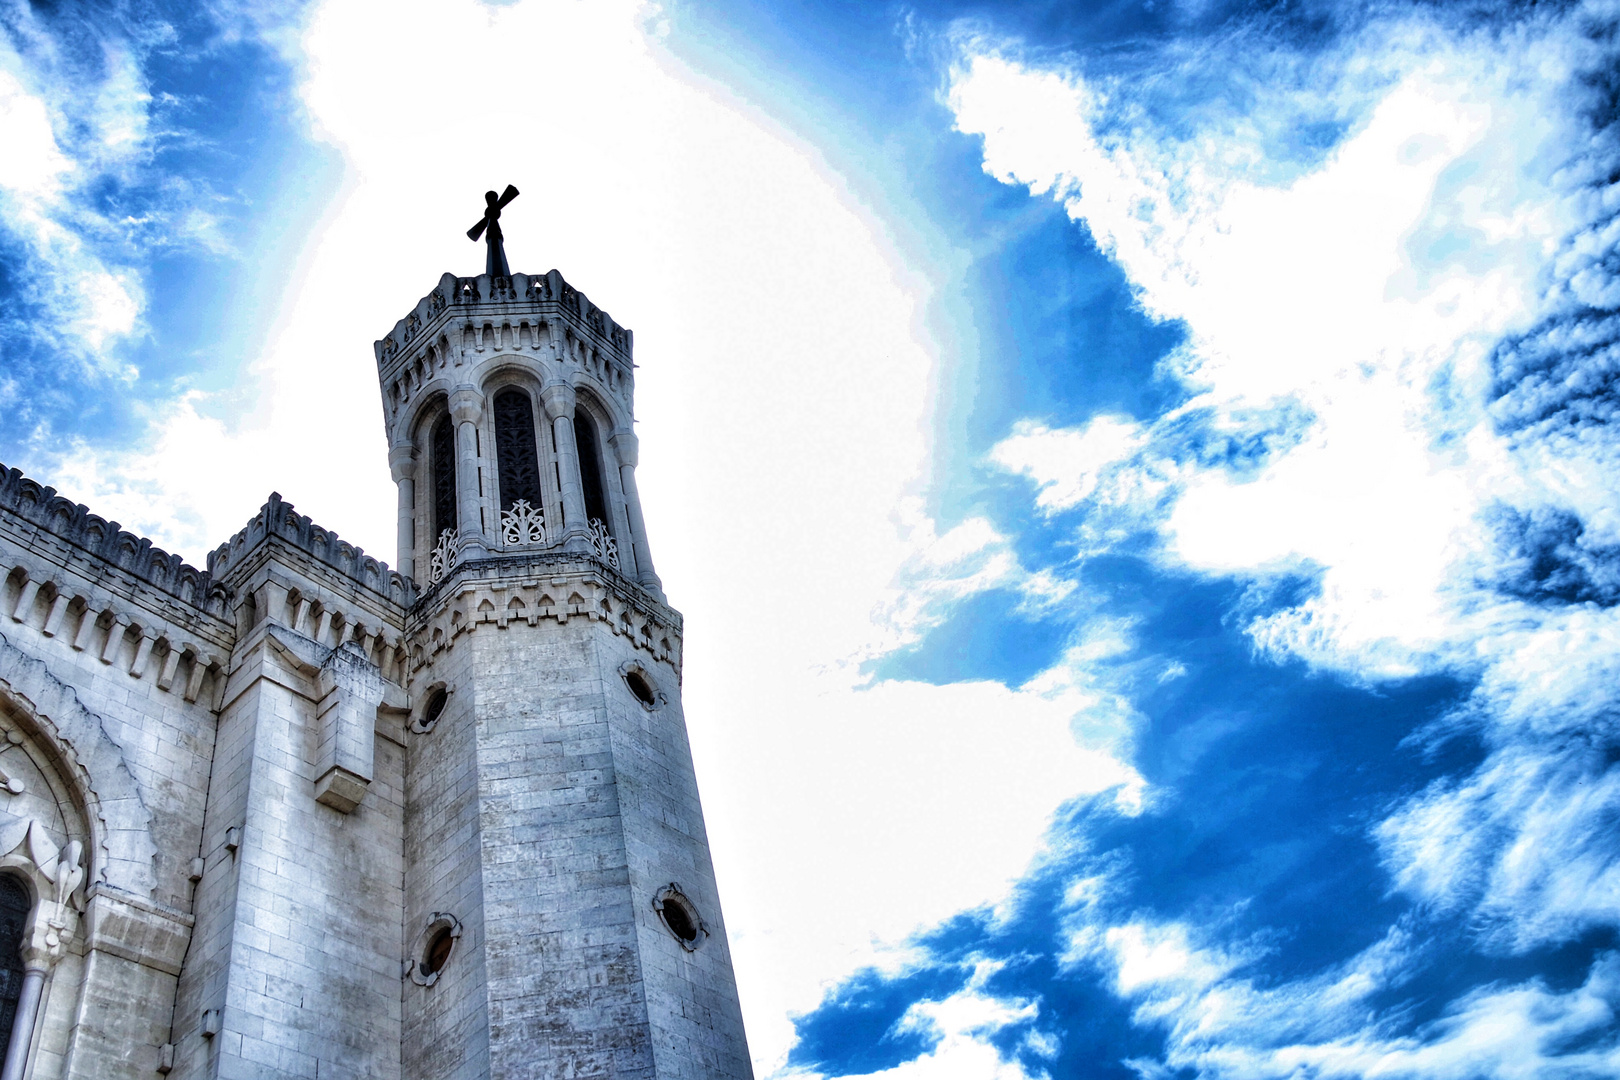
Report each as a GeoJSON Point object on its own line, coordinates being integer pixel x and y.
{"type": "Point", "coordinates": [503, 593]}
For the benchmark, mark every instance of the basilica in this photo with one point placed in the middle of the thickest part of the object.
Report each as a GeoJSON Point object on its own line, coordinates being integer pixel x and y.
{"type": "Point", "coordinates": [298, 814]}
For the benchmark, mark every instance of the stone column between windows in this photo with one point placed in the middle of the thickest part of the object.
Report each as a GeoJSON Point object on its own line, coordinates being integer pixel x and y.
{"type": "Point", "coordinates": [628, 449]}
{"type": "Point", "coordinates": [466, 409]}
{"type": "Point", "coordinates": [22, 1024]}
{"type": "Point", "coordinates": [402, 464]}
{"type": "Point", "coordinates": [559, 400]}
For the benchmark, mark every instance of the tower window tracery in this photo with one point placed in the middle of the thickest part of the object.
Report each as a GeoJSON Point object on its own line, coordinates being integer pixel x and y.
{"type": "Point", "coordinates": [516, 456]}
{"type": "Point", "coordinates": [442, 449]}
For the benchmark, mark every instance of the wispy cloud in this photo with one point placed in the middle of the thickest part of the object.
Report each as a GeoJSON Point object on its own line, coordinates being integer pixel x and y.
{"type": "Point", "coordinates": [1399, 345]}
{"type": "Point", "coordinates": [104, 175]}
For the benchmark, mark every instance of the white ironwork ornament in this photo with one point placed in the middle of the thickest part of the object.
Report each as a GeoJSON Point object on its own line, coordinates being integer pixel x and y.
{"type": "Point", "coordinates": [443, 557]}
{"type": "Point", "coordinates": [603, 544]}
{"type": "Point", "coordinates": [523, 524]}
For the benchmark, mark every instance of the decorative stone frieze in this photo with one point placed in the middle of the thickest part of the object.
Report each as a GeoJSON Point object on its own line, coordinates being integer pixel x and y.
{"type": "Point", "coordinates": [522, 526]}
{"type": "Point", "coordinates": [442, 559]}
{"type": "Point", "coordinates": [603, 546]}
{"type": "Point", "coordinates": [553, 585]}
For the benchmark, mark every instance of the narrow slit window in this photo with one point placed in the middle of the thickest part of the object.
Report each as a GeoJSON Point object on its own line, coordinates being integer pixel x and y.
{"type": "Point", "coordinates": [590, 469]}
{"type": "Point", "coordinates": [517, 460]}
{"type": "Point", "coordinates": [443, 451]}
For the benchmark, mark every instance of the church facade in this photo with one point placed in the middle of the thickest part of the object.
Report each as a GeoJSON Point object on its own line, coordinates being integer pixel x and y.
{"type": "Point", "coordinates": [300, 815]}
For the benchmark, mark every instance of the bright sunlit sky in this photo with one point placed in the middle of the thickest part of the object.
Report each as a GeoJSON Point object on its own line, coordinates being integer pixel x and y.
{"type": "Point", "coordinates": [1138, 476]}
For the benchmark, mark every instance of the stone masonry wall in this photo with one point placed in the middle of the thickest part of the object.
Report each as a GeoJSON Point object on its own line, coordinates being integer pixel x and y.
{"type": "Point", "coordinates": [586, 807]}
{"type": "Point", "coordinates": [446, 1024]}
{"type": "Point", "coordinates": [693, 1011]}
{"type": "Point", "coordinates": [110, 655]}
{"type": "Point", "coordinates": [301, 958]}
{"type": "Point", "coordinates": [565, 990]}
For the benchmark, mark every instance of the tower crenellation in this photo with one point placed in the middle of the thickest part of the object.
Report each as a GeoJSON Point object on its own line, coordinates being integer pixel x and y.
{"type": "Point", "coordinates": [467, 317]}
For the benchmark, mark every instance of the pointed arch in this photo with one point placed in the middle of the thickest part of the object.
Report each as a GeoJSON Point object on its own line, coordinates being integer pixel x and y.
{"type": "Point", "coordinates": [90, 766]}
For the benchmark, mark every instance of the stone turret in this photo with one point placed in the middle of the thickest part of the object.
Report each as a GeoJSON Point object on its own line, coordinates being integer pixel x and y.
{"type": "Point", "coordinates": [561, 912]}
{"type": "Point", "coordinates": [535, 340]}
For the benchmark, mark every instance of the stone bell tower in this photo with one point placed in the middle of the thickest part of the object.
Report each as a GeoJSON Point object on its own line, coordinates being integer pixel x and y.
{"type": "Point", "coordinates": [560, 911]}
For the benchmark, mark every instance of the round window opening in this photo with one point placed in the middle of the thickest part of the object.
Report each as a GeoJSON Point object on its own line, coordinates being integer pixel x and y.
{"type": "Point", "coordinates": [680, 917]}
{"type": "Point", "coordinates": [434, 707]}
{"type": "Point", "coordinates": [437, 951]}
{"type": "Point", "coordinates": [642, 688]}
{"type": "Point", "coordinates": [680, 922]}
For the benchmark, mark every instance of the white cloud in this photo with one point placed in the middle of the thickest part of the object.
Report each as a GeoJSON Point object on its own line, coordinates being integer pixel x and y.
{"type": "Point", "coordinates": [1220, 1022]}
{"type": "Point", "coordinates": [33, 165]}
{"type": "Point", "coordinates": [960, 1026]}
{"type": "Point", "coordinates": [1341, 316]}
{"type": "Point", "coordinates": [939, 569]}
{"type": "Point", "coordinates": [89, 306]}
{"type": "Point", "coordinates": [1067, 465]}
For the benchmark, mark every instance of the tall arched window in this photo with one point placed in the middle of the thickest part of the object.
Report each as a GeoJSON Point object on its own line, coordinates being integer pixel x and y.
{"type": "Point", "coordinates": [14, 907]}
{"type": "Point", "coordinates": [517, 460]}
{"type": "Point", "coordinates": [442, 448]}
{"type": "Point", "coordinates": [590, 469]}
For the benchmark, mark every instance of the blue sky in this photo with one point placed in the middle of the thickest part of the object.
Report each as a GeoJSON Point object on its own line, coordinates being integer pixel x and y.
{"type": "Point", "coordinates": [1139, 476]}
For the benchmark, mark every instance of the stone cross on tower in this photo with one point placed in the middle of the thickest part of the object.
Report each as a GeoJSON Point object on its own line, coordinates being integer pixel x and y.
{"type": "Point", "coordinates": [490, 225]}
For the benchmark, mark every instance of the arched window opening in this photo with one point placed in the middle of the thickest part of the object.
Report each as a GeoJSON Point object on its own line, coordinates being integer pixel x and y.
{"type": "Point", "coordinates": [14, 907]}
{"type": "Point", "coordinates": [442, 448]}
{"type": "Point", "coordinates": [517, 459]}
{"type": "Point", "coordinates": [590, 468]}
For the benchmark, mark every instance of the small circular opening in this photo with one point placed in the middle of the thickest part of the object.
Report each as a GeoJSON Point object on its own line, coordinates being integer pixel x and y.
{"type": "Point", "coordinates": [438, 951]}
{"type": "Point", "coordinates": [680, 921]}
{"type": "Point", "coordinates": [435, 706]}
{"type": "Point", "coordinates": [640, 687]}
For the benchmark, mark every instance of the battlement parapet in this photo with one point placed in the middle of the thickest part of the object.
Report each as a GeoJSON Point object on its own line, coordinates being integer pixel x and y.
{"type": "Point", "coordinates": [278, 518]}
{"type": "Point", "coordinates": [42, 507]}
{"type": "Point", "coordinates": [476, 319]}
{"type": "Point", "coordinates": [478, 298]}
